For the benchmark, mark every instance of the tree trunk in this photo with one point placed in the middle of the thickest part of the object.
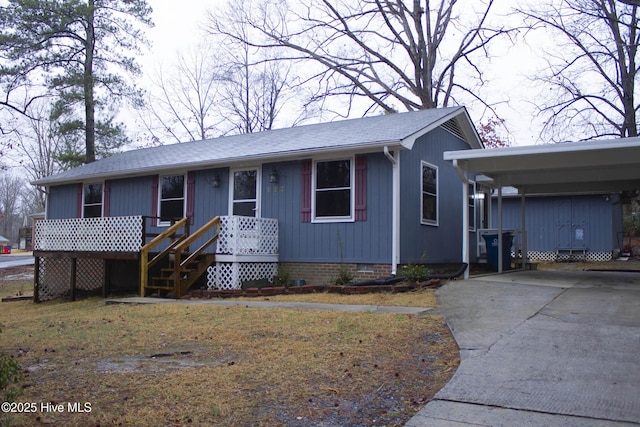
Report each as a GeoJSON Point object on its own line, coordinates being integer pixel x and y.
{"type": "Point", "coordinates": [89, 103]}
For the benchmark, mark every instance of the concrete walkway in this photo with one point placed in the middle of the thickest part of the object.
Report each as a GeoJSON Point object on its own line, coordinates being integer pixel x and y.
{"type": "Point", "coordinates": [541, 348]}
{"type": "Point", "coordinates": [274, 304]}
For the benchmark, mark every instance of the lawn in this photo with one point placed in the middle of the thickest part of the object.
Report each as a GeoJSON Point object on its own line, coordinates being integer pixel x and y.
{"type": "Point", "coordinates": [233, 366]}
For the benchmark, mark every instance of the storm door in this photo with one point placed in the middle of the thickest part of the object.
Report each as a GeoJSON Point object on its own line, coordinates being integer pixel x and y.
{"type": "Point", "coordinates": [245, 192]}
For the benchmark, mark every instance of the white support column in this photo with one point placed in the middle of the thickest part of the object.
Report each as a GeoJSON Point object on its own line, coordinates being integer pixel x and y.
{"type": "Point", "coordinates": [395, 209]}
{"type": "Point", "coordinates": [500, 266]}
{"type": "Point", "coordinates": [465, 226]}
{"type": "Point", "coordinates": [463, 174]}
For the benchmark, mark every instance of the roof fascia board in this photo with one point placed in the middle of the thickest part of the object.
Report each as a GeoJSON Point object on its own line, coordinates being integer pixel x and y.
{"type": "Point", "coordinates": [571, 147]}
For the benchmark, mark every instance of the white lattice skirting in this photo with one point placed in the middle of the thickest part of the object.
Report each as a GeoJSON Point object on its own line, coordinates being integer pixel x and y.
{"type": "Point", "coordinates": [230, 275]}
{"type": "Point", "coordinates": [589, 256]}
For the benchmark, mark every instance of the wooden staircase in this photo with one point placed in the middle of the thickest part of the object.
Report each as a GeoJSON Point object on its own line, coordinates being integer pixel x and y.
{"type": "Point", "coordinates": [183, 267]}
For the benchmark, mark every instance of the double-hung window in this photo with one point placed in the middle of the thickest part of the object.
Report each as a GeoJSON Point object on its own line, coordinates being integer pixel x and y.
{"type": "Point", "coordinates": [92, 200]}
{"type": "Point", "coordinates": [429, 201]}
{"type": "Point", "coordinates": [333, 190]}
{"type": "Point", "coordinates": [171, 200]}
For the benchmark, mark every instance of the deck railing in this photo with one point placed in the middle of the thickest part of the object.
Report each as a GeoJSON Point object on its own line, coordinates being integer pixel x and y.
{"type": "Point", "coordinates": [239, 235]}
{"type": "Point", "coordinates": [105, 234]}
{"type": "Point", "coordinates": [242, 235]}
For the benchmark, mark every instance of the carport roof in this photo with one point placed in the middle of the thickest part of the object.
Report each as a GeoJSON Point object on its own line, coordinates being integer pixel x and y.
{"type": "Point", "coordinates": [575, 167]}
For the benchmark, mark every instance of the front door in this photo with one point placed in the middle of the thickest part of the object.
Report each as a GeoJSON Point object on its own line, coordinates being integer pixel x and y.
{"type": "Point", "coordinates": [245, 192]}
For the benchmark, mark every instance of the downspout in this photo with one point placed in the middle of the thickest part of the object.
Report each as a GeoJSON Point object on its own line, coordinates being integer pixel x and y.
{"type": "Point", "coordinates": [395, 208]}
{"type": "Point", "coordinates": [462, 173]}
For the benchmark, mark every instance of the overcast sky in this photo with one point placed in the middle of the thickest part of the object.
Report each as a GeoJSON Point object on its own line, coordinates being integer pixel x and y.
{"type": "Point", "coordinates": [178, 26]}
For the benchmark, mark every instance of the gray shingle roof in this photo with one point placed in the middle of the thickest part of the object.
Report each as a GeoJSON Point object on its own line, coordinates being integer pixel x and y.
{"type": "Point", "coordinates": [355, 134]}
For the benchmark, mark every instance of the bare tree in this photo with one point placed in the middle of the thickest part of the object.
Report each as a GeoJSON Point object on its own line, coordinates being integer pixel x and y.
{"type": "Point", "coordinates": [222, 89]}
{"type": "Point", "coordinates": [39, 146]}
{"type": "Point", "coordinates": [590, 84]}
{"type": "Point", "coordinates": [394, 54]}
{"type": "Point", "coordinates": [11, 188]}
{"type": "Point", "coordinates": [183, 104]}
{"type": "Point", "coordinates": [252, 93]}
{"type": "Point", "coordinates": [254, 86]}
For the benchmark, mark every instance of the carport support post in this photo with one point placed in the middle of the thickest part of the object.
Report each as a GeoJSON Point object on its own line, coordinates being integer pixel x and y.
{"type": "Point", "coordinates": [465, 226]}
{"type": "Point", "coordinates": [523, 230]}
{"type": "Point", "coordinates": [500, 266]}
{"type": "Point", "coordinates": [463, 174]}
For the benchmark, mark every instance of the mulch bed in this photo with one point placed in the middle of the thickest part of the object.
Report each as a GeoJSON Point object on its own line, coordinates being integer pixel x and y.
{"type": "Point", "coordinates": [310, 289]}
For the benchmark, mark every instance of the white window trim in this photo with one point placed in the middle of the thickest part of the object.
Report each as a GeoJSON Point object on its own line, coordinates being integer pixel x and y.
{"type": "Point", "coordinates": [435, 223]}
{"type": "Point", "coordinates": [184, 198]}
{"type": "Point", "coordinates": [258, 170]}
{"type": "Point", "coordinates": [352, 183]}
{"type": "Point", "coordinates": [472, 198]}
{"type": "Point", "coordinates": [101, 197]}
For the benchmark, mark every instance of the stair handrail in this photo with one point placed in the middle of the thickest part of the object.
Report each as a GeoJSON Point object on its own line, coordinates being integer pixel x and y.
{"type": "Point", "coordinates": [196, 235]}
{"type": "Point", "coordinates": [144, 251]}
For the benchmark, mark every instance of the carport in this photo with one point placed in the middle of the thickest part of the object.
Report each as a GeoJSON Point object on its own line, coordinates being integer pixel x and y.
{"type": "Point", "coordinates": [568, 168]}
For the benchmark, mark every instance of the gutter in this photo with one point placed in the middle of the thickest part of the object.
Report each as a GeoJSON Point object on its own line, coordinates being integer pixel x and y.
{"type": "Point", "coordinates": [395, 208]}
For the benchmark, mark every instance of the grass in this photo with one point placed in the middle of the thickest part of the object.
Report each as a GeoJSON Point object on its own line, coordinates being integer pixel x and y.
{"type": "Point", "coordinates": [234, 366]}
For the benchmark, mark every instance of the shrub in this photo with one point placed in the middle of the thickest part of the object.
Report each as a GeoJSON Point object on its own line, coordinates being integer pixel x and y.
{"type": "Point", "coordinates": [415, 272]}
{"type": "Point", "coordinates": [344, 276]}
{"type": "Point", "coordinates": [283, 278]}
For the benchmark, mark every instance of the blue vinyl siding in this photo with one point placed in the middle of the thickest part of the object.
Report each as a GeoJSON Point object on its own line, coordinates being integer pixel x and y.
{"type": "Point", "coordinates": [551, 221]}
{"type": "Point", "coordinates": [367, 241]}
{"type": "Point", "coordinates": [356, 242]}
{"type": "Point", "coordinates": [431, 243]}
{"type": "Point", "coordinates": [210, 202]}
{"type": "Point", "coordinates": [62, 202]}
{"type": "Point", "coordinates": [131, 196]}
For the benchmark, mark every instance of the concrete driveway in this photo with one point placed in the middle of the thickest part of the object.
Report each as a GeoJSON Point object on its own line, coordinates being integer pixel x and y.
{"type": "Point", "coordinates": [542, 348]}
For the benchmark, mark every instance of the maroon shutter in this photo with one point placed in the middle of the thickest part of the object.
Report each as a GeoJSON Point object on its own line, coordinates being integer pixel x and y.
{"type": "Point", "coordinates": [191, 194]}
{"type": "Point", "coordinates": [79, 189]}
{"type": "Point", "coordinates": [106, 199]}
{"type": "Point", "coordinates": [306, 191]}
{"type": "Point", "coordinates": [361, 188]}
{"type": "Point", "coordinates": [154, 200]}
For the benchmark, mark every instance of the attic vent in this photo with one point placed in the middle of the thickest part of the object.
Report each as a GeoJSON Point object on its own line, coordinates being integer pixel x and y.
{"type": "Point", "coordinates": [452, 126]}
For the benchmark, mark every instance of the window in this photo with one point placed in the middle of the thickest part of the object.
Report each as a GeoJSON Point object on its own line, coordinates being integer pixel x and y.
{"type": "Point", "coordinates": [171, 198]}
{"type": "Point", "coordinates": [92, 200]}
{"type": "Point", "coordinates": [244, 197]}
{"type": "Point", "coordinates": [333, 190]}
{"type": "Point", "coordinates": [472, 206]}
{"type": "Point", "coordinates": [429, 199]}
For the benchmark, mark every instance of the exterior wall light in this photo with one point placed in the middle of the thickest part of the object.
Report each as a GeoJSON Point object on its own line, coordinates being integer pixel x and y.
{"type": "Point", "coordinates": [215, 180]}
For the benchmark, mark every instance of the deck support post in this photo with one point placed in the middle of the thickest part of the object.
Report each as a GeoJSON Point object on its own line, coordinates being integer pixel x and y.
{"type": "Point", "coordinates": [74, 265]}
{"type": "Point", "coordinates": [36, 279]}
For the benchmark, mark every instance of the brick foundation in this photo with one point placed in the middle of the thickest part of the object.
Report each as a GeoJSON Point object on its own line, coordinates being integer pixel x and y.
{"type": "Point", "coordinates": [326, 273]}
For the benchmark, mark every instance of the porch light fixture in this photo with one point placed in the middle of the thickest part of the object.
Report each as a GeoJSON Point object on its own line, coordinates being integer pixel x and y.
{"type": "Point", "coordinates": [215, 180]}
{"type": "Point", "coordinates": [273, 177]}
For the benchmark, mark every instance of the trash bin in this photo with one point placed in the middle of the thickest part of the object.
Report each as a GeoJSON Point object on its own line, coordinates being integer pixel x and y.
{"type": "Point", "coordinates": [491, 242]}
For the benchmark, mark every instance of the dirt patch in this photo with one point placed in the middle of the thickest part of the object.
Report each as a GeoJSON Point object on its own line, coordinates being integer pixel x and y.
{"type": "Point", "coordinates": [18, 273]}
